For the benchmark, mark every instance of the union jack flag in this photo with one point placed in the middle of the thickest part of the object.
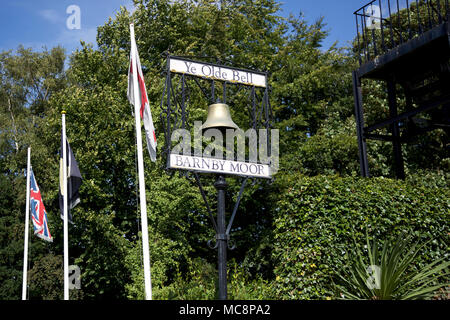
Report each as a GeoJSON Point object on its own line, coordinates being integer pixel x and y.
{"type": "Point", "coordinates": [38, 213]}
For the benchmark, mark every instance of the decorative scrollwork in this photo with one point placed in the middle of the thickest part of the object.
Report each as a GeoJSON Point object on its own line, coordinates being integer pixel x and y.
{"type": "Point", "coordinates": [214, 243]}
{"type": "Point", "coordinates": [231, 244]}
{"type": "Point", "coordinates": [210, 244]}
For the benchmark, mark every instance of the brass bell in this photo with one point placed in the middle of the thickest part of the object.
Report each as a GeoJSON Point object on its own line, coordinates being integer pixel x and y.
{"type": "Point", "coordinates": [219, 117]}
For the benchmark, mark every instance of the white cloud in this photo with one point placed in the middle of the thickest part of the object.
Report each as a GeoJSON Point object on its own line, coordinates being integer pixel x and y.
{"type": "Point", "coordinates": [68, 39]}
{"type": "Point", "coordinates": [51, 16]}
{"type": "Point", "coordinates": [129, 5]}
{"type": "Point", "coordinates": [71, 38]}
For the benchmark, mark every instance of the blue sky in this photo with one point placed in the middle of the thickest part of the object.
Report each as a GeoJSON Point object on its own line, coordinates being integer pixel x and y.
{"type": "Point", "coordinates": [42, 23]}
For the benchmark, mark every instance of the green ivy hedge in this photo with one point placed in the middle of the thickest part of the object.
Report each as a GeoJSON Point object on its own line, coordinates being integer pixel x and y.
{"type": "Point", "coordinates": [317, 218]}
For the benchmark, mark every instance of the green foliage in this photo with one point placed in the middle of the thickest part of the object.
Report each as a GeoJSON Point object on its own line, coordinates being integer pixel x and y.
{"type": "Point", "coordinates": [46, 280]}
{"type": "Point", "coordinates": [246, 286]}
{"type": "Point", "coordinates": [388, 274]}
{"type": "Point", "coordinates": [11, 240]}
{"type": "Point", "coordinates": [198, 283]}
{"type": "Point", "coordinates": [317, 218]}
{"type": "Point", "coordinates": [333, 150]}
{"type": "Point", "coordinates": [247, 34]}
{"type": "Point", "coordinates": [312, 102]}
{"type": "Point", "coordinates": [27, 80]}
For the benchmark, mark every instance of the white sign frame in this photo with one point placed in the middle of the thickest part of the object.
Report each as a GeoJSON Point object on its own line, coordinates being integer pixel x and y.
{"type": "Point", "coordinates": [219, 166]}
{"type": "Point", "coordinates": [217, 72]}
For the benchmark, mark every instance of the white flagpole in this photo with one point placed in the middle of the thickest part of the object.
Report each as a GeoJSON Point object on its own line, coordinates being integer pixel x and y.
{"type": "Point", "coordinates": [142, 198]}
{"type": "Point", "coordinates": [66, 219]}
{"type": "Point", "coordinates": [27, 223]}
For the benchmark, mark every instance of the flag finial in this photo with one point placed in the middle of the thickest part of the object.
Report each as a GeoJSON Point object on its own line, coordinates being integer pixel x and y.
{"type": "Point", "coordinates": [63, 112]}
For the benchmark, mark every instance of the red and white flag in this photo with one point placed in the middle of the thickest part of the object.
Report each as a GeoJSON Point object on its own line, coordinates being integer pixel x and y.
{"type": "Point", "coordinates": [144, 106]}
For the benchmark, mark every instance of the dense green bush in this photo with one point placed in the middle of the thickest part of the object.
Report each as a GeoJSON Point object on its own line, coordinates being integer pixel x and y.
{"type": "Point", "coordinates": [317, 218]}
{"type": "Point", "coordinates": [201, 283]}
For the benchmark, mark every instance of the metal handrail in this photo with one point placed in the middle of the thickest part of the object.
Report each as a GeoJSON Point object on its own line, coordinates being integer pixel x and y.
{"type": "Point", "coordinates": [382, 25]}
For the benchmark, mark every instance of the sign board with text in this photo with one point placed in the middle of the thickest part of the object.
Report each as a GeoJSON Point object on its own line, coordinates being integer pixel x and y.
{"type": "Point", "coordinates": [220, 166]}
{"type": "Point", "coordinates": [217, 72]}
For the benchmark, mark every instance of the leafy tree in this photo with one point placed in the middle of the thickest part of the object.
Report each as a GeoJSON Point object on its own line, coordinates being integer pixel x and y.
{"type": "Point", "coordinates": [100, 128]}
{"type": "Point", "coordinates": [27, 81]}
{"type": "Point", "coordinates": [312, 103]}
{"type": "Point", "coordinates": [46, 279]}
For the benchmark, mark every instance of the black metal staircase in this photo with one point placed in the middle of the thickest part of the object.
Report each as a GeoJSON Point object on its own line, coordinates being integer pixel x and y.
{"type": "Point", "coordinates": [406, 44]}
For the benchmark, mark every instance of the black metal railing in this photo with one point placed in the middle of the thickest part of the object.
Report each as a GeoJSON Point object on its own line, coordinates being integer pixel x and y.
{"type": "Point", "coordinates": [385, 24]}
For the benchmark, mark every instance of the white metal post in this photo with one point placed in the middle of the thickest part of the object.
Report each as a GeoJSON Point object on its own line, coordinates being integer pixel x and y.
{"type": "Point", "coordinates": [27, 223]}
{"type": "Point", "coordinates": [142, 197]}
{"type": "Point", "coordinates": [66, 218]}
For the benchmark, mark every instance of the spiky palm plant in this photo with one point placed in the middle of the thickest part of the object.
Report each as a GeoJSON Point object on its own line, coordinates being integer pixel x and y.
{"type": "Point", "coordinates": [389, 274]}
